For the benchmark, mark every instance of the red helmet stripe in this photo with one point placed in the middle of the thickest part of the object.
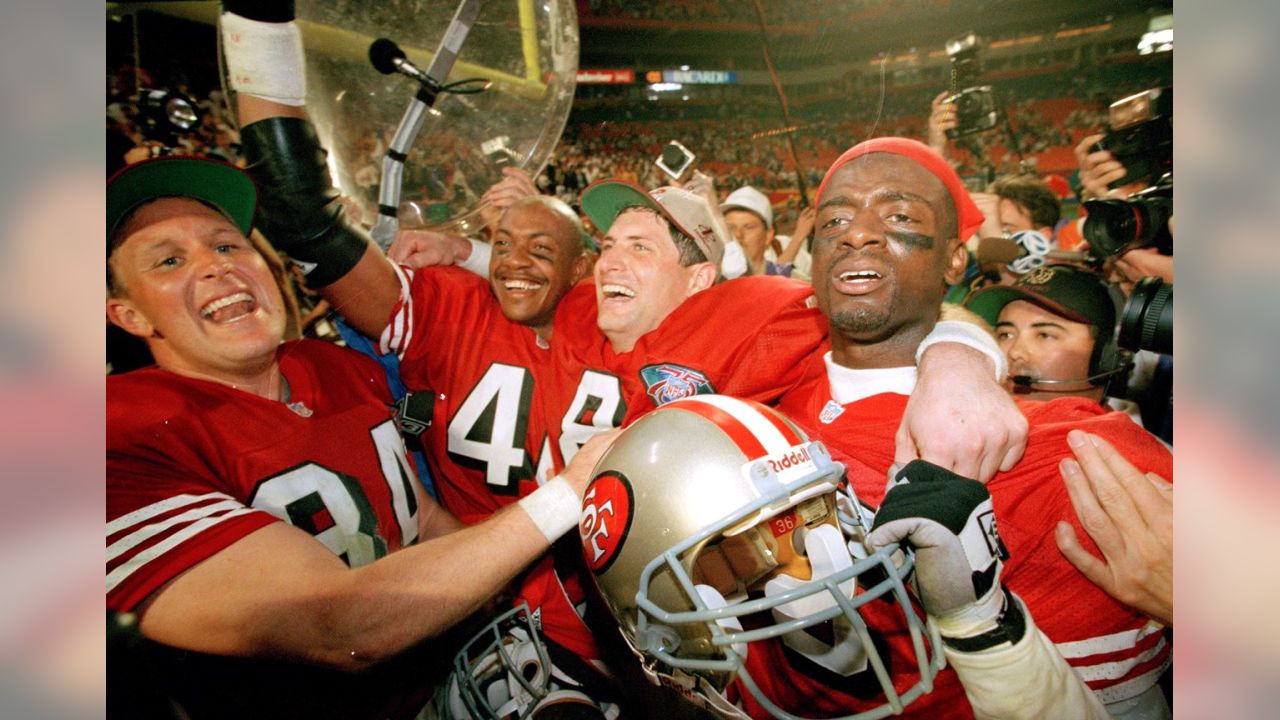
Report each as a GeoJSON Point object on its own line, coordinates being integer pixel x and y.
{"type": "Point", "coordinates": [746, 440]}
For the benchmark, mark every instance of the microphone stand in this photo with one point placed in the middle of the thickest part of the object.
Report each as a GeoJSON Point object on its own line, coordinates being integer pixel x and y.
{"type": "Point", "coordinates": [384, 230]}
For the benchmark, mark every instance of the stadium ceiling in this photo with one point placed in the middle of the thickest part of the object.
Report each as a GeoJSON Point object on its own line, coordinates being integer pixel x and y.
{"type": "Point", "coordinates": [838, 30]}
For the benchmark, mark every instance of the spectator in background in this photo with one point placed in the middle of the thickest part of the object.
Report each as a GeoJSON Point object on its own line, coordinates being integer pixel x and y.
{"type": "Point", "coordinates": [1026, 202]}
{"type": "Point", "coordinates": [1021, 213]}
{"type": "Point", "coordinates": [749, 217]}
{"type": "Point", "coordinates": [1056, 324]}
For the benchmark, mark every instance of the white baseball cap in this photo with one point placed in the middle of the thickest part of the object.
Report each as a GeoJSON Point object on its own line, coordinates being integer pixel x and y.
{"type": "Point", "coordinates": [749, 198]}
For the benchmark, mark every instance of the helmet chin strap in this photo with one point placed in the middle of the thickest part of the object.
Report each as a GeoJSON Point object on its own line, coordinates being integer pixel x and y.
{"type": "Point", "coordinates": [828, 554]}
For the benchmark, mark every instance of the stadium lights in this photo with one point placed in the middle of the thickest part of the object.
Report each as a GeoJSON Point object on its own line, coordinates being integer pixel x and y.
{"type": "Point", "coordinates": [1158, 37]}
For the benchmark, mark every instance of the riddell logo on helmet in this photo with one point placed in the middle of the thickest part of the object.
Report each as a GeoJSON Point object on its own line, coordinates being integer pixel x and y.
{"type": "Point", "coordinates": [605, 519]}
{"type": "Point", "coordinates": [794, 458]}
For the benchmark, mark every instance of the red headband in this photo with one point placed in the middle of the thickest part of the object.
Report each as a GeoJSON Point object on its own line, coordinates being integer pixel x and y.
{"type": "Point", "coordinates": [968, 216]}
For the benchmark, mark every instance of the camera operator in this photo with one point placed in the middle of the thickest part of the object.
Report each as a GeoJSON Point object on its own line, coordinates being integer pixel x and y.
{"type": "Point", "coordinates": [1131, 163]}
{"type": "Point", "coordinates": [1056, 324]}
{"type": "Point", "coordinates": [1098, 169]}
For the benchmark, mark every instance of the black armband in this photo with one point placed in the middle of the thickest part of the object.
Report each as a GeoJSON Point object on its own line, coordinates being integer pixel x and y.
{"type": "Point", "coordinates": [276, 11]}
{"type": "Point", "coordinates": [298, 209]}
{"type": "Point", "coordinates": [1011, 626]}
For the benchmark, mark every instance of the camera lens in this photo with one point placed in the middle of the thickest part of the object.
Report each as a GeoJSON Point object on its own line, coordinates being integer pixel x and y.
{"type": "Point", "coordinates": [1116, 226]}
{"type": "Point", "coordinates": [1146, 323]}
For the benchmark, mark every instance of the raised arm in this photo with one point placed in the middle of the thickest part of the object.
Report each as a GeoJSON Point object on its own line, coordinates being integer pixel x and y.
{"type": "Point", "coordinates": [299, 210]}
{"type": "Point", "coordinates": [942, 117]}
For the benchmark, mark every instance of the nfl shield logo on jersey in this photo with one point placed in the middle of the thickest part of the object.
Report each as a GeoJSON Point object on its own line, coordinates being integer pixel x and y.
{"type": "Point", "coordinates": [667, 382]}
{"type": "Point", "coordinates": [830, 412]}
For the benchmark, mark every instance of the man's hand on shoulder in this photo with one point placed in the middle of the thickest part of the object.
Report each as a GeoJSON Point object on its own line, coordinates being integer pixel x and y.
{"type": "Point", "coordinates": [1129, 514]}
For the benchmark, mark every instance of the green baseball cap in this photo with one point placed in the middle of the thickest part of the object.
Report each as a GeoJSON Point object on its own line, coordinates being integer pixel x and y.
{"type": "Point", "coordinates": [224, 186]}
{"type": "Point", "coordinates": [1074, 293]}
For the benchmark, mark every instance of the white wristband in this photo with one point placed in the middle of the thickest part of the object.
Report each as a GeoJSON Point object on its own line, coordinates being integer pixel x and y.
{"type": "Point", "coordinates": [969, 620]}
{"type": "Point", "coordinates": [969, 335]}
{"type": "Point", "coordinates": [265, 59]}
{"type": "Point", "coordinates": [478, 261]}
{"type": "Point", "coordinates": [554, 508]}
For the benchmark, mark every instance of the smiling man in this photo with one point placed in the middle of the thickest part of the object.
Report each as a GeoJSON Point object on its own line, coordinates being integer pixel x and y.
{"type": "Point", "coordinates": [660, 249]}
{"type": "Point", "coordinates": [891, 215]}
{"type": "Point", "coordinates": [263, 521]}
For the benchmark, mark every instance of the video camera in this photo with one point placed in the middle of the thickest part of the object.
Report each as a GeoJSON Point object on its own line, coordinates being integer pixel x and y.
{"type": "Point", "coordinates": [976, 108]}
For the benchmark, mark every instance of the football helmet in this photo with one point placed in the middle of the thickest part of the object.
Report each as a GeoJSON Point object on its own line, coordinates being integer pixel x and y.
{"type": "Point", "coordinates": [505, 673]}
{"type": "Point", "coordinates": [712, 510]}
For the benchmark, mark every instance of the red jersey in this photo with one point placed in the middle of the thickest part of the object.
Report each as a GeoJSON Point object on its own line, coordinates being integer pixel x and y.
{"type": "Point", "coordinates": [194, 466]}
{"type": "Point", "coordinates": [1111, 646]}
{"type": "Point", "coordinates": [746, 337]}
{"type": "Point", "coordinates": [485, 445]}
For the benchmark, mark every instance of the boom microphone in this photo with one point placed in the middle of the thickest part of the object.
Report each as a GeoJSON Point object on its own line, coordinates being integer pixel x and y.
{"type": "Point", "coordinates": [387, 58]}
{"type": "Point", "coordinates": [992, 250]}
{"type": "Point", "coordinates": [1006, 251]}
{"type": "Point", "coordinates": [1025, 383]}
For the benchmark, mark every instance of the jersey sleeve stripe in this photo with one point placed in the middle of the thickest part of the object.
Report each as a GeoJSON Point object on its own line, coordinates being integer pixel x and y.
{"type": "Point", "coordinates": [1133, 686]}
{"type": "Point", "coordinates": [115, 577]}
{"type": "Point", "coordinates": [139, 516]}
{"type": "Point", "coordinates": [1116, 642]}
{"type": "Point", "coordinates": [399, 331]}
{"type": "Point", "coordinates": [1118, 669]}
{"type": "Point", "coordinates": [146, 532]}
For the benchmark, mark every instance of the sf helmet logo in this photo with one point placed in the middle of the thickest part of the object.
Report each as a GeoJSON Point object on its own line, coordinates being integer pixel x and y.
{"type": "Point", "coordinates": [605, 520]}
